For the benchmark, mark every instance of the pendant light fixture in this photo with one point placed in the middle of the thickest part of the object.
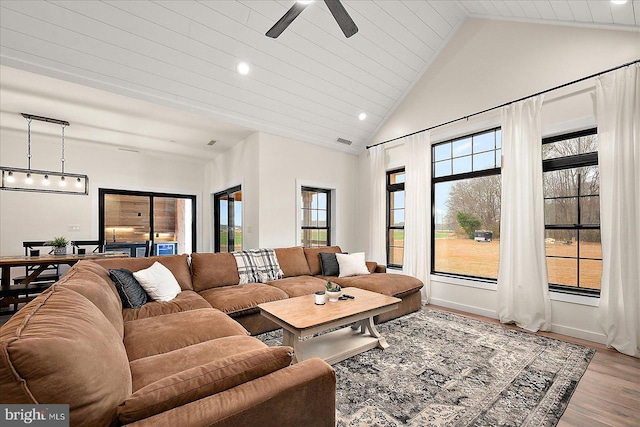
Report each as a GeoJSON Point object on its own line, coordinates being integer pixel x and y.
{"type": "Point", "coordinates": [31, 180]}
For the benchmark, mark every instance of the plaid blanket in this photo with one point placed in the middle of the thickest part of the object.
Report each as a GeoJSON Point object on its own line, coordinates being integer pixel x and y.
{"type": "Point", "coordinates": [257, 266]}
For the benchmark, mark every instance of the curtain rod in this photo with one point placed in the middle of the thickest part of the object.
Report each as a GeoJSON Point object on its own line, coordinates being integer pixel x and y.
{"type": "Point", "coordinates": [506, 103]}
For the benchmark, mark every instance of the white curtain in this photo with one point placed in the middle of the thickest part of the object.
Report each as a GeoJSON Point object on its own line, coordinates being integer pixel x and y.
{"type": "Point", "coordinates": [523, 294]}
{"type": "Point", "coordinates": [618, 104]}
{"type": "Point", "coordinates": [378, 203]}
{"type": "Point", "coordinates": [417, 210]}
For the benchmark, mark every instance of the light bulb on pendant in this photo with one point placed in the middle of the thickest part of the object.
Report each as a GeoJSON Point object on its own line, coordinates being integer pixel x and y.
{"type": "Point", "coordinates": [45, 181]}
{"type": "Point", "coordinates": [29, 180]}
{"type": "Point", "coordinates": [79, 183]}
{"type": "Point", "coordinates": [63, 182]}
{"type": "Point", "coordinates": [10, 177]}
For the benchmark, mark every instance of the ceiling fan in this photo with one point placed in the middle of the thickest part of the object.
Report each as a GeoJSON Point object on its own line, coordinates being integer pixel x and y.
{"type": "Point", "coordinates": [338, 11]}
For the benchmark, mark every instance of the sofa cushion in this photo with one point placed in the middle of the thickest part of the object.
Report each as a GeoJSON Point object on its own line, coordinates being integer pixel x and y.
{"type": "Point", "coordinates": [131, 293]}
{"type": "Point", "coordinates": [158, 281]}
{"type": "Point", "coordinates": [93, 282]}
{"type": "Point", "coordinates": [352, 264]}
{"type": "Point", "coordinates": [153, 368]}
{"type": "Point", "coordinates": [213, 270]}
{"type": "Point", "coordinates": [201, 381]}
{"type": "Point", "coordinates": [64, 350]}
{"type": "Point", "coordinates": [161, 334]}
{"type": "Point", "coordinates": [185, 301]}
{"type": "Point", "coordinates": [383, 283]}
{"type": "Point", "coordinates": [292, 261]}
{"type": "Point", "coordinates": [313, 257]}
{"type": "Point", "coordinates": [238, 300]}
{"type": "Point", "coordinates": [300, 285]}
{"type": "Point", "coordinates": [178, 264]}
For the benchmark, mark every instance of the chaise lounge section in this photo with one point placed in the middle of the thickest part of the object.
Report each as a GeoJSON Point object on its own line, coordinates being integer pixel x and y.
{"type": "Point", "coordinates": [215, 278]}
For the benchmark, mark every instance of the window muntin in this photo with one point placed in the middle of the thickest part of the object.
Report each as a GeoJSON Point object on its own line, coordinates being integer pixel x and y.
{"type": "Point", "coordinates": [395, 217]}
{"type": "Point", "coordinates": [466, 192]}
{"type": "Point", "coordinates": [571, 185]}
{"type": "Point", "coordinates": [315, 217]}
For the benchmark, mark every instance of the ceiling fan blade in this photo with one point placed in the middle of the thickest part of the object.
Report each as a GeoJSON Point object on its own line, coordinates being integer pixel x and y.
{"type": "Point", "coordinates": [345, 22]}
{"type": "Point", "coordinates": [286, 20]}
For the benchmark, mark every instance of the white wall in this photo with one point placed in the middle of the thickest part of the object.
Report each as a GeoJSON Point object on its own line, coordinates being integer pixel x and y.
{"type": "Point", "coordinates": [488, 63]}
{"type": "Point", "coordinates": [237, 166]}
{"type": "Point", "coordinates": [40, 216]}
{"type": "Point", "coordinates": [270, 168]}
{"type": "Point", "coordinates": [285, 162]}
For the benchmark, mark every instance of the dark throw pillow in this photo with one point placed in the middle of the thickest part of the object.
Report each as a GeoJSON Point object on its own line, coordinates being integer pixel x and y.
{"type": "Point", "coordinates": [329, 264]}
{"type": "Point", "coordinates": [130, 291]}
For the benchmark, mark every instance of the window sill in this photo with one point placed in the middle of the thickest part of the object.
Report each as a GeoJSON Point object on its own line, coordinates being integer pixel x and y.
{"type": "Point", "coordinates": [574, 299]}
{"type": "Point", "coordinates": [472, 283]}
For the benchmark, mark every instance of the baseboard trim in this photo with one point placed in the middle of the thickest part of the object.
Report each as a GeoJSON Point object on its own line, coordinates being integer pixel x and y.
{"type": "Point", "coordinates": [579, 333]}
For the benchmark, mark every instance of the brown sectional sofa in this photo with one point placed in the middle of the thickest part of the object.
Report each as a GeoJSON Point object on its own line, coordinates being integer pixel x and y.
{"type": "Point", "coordinates": [189, 361]}
{"type": "Point", "coordinates": [172, 363]}
{"type": "Point", "coordinates": [215, 278]}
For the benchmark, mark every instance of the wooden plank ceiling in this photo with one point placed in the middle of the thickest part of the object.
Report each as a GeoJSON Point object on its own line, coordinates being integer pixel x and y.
{"type": "Point", "coordinates": [309, 84]}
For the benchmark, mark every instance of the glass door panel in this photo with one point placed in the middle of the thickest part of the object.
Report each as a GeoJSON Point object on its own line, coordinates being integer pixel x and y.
{"type": "Point", "coordinates": [228, 220]}
{"type": "Point", "coordinates": [172, 225]}
{"type": "Point", "coordinates": [127, 224]}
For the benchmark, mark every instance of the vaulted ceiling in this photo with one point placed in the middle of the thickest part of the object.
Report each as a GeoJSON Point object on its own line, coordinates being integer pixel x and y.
{"type": "Point", "coordinates": [161, 75]}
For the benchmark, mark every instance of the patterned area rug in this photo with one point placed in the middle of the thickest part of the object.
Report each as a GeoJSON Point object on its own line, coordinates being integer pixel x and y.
{"type": "Point", "coordinates": [442, 369]}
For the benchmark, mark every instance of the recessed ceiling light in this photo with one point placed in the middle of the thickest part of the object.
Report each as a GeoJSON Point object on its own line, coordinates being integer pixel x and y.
{"type": "Point", "coordinates": [362, 116]}
{"type": "Point", "coordinates": [619, 1]}
{"type": "Point", "coordinates": [243, 68]}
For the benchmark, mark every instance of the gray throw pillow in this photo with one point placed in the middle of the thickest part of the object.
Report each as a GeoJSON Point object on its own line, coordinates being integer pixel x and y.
{"type": "Point", "coordinates": [130, 291]}
{"type": "Point", "coordinates": [329, 264]}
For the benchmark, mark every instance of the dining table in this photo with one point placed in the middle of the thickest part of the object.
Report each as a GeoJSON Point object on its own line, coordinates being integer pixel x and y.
{"type": "Point", "coordinates": [39, 263]}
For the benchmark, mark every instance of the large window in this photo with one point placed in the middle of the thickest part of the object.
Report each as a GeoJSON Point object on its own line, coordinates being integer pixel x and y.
{"type": "Point", "coordinates": [228, 220]}
{"type": "Point", "coordinates": [572, 212]}
{"type": "Point", "coordinates": [466, 206]}
{"type": "Point", "coordinates": [131, 220]}
{"type": "Point", "coordinates": [395, 218]}
{"type": "Point", "coordinates": [315, 217]}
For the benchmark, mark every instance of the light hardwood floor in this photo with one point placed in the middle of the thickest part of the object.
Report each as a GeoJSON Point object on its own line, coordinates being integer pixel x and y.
{"type": "Point", "coordinates": [608, 393]}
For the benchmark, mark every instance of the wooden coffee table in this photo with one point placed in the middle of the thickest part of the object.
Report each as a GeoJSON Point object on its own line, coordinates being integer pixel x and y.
{"type": "Point", "coordinates": [301, 317]}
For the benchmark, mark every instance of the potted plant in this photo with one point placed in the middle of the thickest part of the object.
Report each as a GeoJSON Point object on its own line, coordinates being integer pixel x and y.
{"type": "Point", "coordinates": [333, 291]}
{"type": "Point", "coordinates": [59, 245]}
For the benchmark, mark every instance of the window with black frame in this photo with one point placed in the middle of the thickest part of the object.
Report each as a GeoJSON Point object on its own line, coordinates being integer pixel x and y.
{"type": "Point", "coordinates": [465, 195]}
{"type": "Point", "coordinates": [315, 217]}
{"type": "Point", "coordinates": [395, 218]}
{"type": "Point", "coordinates": [572, 212]}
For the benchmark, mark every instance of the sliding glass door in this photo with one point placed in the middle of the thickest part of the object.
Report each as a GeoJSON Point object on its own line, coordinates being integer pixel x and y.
{"type": "Point", "coordinates": [144, 223]}
{"type": "Point", "coordinates": [228, 220]}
